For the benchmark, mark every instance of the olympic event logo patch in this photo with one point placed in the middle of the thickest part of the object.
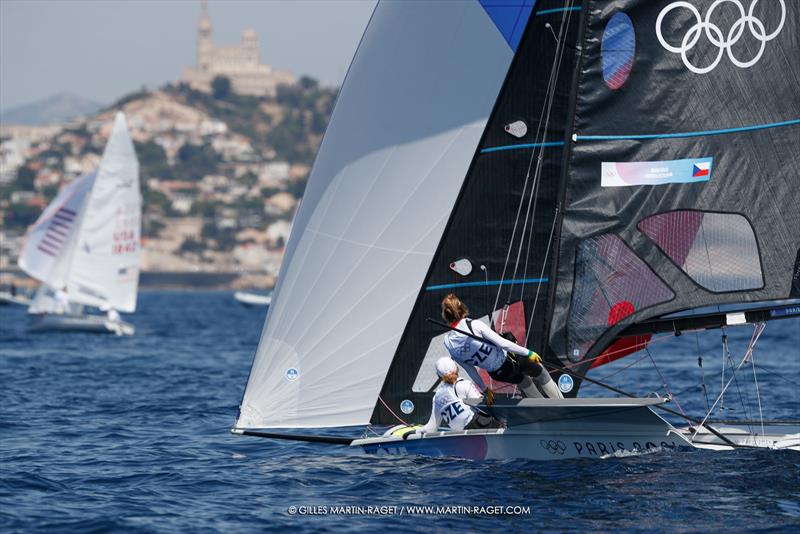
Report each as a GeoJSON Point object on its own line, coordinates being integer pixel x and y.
{"type": "Point", "coordinates": [553, 446]}
{"type": "Point", "coordinates": [746, 27]}
{"type": "Point", "coordinates": [565, 383]}
{"type": "Point", "coordinates": [632, 173]}
{"type": "Point", "coordinates": [406, 406]}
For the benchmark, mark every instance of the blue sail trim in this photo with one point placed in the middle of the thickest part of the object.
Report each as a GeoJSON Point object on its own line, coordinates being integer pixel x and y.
{"type": "Point", "coordinates": [510, 17]}
{"type": "Point", "coordinates": [490, 283]}
{"type": "Point", "coordinates": [516, 147]}
{"type": "Point", "coordinates": [557, 10]}
{"type": "Point", "coordinates": [702, 133]}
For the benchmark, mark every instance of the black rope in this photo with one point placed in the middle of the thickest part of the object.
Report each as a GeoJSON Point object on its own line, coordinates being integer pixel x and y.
{"type": "Point", "coordinates": [333, 440]}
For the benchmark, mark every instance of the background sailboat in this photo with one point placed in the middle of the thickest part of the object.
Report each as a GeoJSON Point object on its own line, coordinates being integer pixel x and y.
{"type": "Point", "coordinates": [249, 298]}
{"type": "Point", "coordinates": [85, 248]}
{"type": "Point", "coordinates": [560, 167]}
{"type": "Point", "coordinates": [14, 297]}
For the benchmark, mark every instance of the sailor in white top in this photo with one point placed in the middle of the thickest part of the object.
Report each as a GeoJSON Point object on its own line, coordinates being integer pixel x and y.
{"type": "Point", "coordinates": [61, 301]}
{"type": "Point", "coordinates": [447, 402]}
{"type": "Point", "coordinates": [503, 359]}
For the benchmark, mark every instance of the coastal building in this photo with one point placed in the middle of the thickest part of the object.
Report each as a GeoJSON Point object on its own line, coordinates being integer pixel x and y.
{"type": "Point", "coordinates": [241, 64]}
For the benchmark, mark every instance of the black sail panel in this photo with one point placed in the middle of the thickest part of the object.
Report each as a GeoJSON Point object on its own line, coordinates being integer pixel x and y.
{"type": "Point", "coordinates": [479, 231]}
{"type": "Point", "coordinates": [683, 176]}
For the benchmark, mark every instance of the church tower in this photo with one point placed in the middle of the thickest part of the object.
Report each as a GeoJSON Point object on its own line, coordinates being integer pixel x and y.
{"type": "Point", "coordinates": [240, 63]}
{"type": "Point", "coordinates": [205, 46]}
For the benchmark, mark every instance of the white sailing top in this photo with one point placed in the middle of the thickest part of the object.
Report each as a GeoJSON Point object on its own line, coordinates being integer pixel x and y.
{"type": "Point", "coordinates": [447, 406]}
{"type": "Point", "coordinates": [471, 353]}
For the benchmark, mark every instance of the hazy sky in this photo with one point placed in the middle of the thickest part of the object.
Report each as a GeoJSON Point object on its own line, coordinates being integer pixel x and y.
{"type": "Point", "coordinates": [103, 49]}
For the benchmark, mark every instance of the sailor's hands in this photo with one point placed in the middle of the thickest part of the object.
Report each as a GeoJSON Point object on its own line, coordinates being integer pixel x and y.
{"type": "Point", "coordinates": [488, 396]}
{"type": "Point", "coordinates": [535, 358]}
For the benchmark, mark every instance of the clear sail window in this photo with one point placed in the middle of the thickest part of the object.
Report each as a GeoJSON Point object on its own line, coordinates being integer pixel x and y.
{"type": "Point", "coordinates": [717, 250]}
{"type": "Point", "coordinates": [611, 283]}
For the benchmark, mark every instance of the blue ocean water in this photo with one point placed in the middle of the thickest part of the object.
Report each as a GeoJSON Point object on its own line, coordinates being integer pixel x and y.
{"type": "Point", "coordinates": [106, 434]}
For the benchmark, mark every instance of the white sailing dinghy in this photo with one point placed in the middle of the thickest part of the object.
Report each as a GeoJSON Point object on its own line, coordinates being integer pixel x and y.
{"type": "Point", "coordinates": [249, 299]}
{"type": "Point", "coordinates": [569, 170]}
{"type": "Point", "coordinates": [84, 248]}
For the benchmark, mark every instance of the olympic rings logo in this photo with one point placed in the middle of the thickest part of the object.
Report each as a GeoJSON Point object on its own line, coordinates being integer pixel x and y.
{"type": "Point", "coordinates": [553, 447]}
{"type": "Point", "coordinates": [715, 35]}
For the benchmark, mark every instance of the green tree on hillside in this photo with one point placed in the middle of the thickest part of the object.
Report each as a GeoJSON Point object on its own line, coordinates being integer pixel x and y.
{"type": "Point", "coordinates": [25, 177]}
{"type": "Point", "coordinates": [221, 87]}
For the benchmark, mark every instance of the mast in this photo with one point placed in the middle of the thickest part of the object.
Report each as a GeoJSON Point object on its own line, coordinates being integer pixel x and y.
{"type": "Point", "coordinates": [547, 351]}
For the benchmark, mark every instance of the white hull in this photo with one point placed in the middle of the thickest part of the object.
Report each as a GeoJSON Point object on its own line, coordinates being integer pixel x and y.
{"type": "Point", "coordinates": [8, 298]}
{"type": "Point", "coordinates": [52, 322]}
{"type": "Point", "coordinates": [554, 429]}
{"type": "Point", "coordinates": [548, 429]}
{"type": "Point", "coordinates": [252, 299]}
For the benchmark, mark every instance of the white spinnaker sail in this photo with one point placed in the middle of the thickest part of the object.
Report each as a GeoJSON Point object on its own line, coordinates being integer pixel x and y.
{"type": "Point", "coordinates": [105, 265]}
{"type": "Point", "coordinates": [50, 241]}
{"type": "Point", "coordinates": [403, 133]}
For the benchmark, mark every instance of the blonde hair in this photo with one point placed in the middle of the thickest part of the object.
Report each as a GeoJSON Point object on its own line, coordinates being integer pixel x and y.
{"type": "Point", "coordinates": [453, 309]}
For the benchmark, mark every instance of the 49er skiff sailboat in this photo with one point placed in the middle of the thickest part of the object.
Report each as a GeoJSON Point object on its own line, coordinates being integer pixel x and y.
{"type": "Point", "coordinates": [581, 173]}
{"type": "Point", "coordinates": [84, 248]}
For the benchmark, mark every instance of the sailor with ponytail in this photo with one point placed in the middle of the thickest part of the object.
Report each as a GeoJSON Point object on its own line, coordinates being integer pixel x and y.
{"type": "Point", "coordinates": [503, 359]}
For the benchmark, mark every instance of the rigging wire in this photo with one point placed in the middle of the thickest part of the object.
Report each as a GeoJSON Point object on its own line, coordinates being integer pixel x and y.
{"type": "Point", "coordinates": [722, 375]}
{"type": "Point", "coordinates": [777, 375]}
{"type": "Point", "coordinates": [392, 411]}
{"type": "Point", "coordinates": [540, 159]}
{"type": "Point", "coordinates": [605, 377]}
{"type": "Point", "coordinates": [758, 395]}
{"type": "Point", "coordinates": [727, 354]}
{"type": "Point", "coordinates": [664, 382]}
{"type": "Point", "coordinates": [550, 92]}
{"type": "Point", "coordinates": [757, 331]}
{"type": "Point", "coordinates": [702, 371]}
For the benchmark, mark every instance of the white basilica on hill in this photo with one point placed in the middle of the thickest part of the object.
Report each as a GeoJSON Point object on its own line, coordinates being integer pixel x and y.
{"type": "Point", "coordinates": [240, 63]}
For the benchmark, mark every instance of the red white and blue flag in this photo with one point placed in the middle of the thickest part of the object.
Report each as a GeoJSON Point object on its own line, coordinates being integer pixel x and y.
{"type": "Point", "coordinates": [700, 168]}
{"type": "Point", "coordinates": [57, 231]}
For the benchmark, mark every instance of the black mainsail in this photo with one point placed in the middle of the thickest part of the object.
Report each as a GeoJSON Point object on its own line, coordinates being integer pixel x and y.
{"type": "Point", "coordinates": [669, 180]}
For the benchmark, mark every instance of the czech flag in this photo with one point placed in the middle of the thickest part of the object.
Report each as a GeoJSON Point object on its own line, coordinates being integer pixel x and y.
{"type": "Point", "coordinates": [700, 169]}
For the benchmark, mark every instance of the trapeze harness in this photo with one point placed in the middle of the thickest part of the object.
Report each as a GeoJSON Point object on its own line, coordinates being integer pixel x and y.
{"type": "Point", "coordinates": [503, 366]}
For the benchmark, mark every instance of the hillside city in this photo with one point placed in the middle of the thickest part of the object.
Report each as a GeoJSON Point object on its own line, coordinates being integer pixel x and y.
{"type": "Point", "coordinates": [224, 156]}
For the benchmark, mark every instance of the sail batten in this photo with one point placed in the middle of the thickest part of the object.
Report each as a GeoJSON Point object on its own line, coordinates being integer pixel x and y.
{"type": "Point", "coordinates": [680, 135]}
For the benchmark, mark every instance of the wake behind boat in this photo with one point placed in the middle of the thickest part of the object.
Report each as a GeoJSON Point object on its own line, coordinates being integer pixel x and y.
{"type": "Point", "coordinates": [538, 159]}
{"type": "Point", "coordinates": [84, 248]}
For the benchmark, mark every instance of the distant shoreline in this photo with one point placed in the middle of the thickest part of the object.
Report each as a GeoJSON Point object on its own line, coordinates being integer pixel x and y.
{"type": "Point", "coordinates": [169, 279]}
